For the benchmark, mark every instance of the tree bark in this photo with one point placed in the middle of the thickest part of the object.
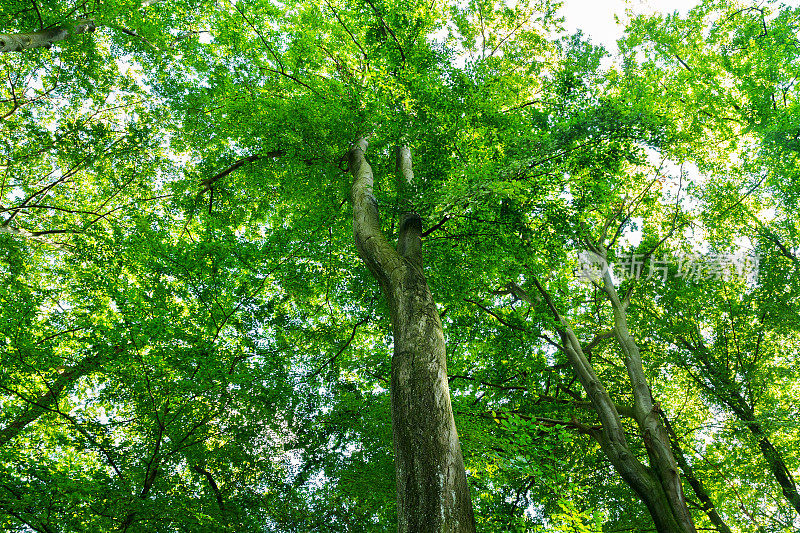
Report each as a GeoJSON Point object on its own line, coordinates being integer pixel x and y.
{"type": "Point", "coordinates": [432, 491]}
{"type": "Point", "coordinates": [645, 481]}
{"type": "Point", "coordinates": [45, 38]}
{"type": "Point", "coordinates": [726, 391]}
{"type": "Point", "coordinates": [17, 42]}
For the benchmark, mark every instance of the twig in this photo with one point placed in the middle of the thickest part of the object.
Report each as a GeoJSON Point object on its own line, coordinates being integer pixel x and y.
{"type": "Point", "coordinates": [380, 17]}
{"type": "Point", "coordinates": [341, 350]}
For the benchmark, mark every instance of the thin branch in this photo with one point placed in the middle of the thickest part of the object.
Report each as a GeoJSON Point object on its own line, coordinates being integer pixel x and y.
{"type": "Point", "coordinates": [214, 487]}
{"type": "Point", "coordinates": [495, 315]}
{"type": "Point", "coordinates": [208, 183]}
{"type": "Point", "coordinates": [683, 63]}
{"type": "Point", "coordinates": [47, 188]}
{"type": "Point", "coordinates": [341, 350]}
{"type": "Point", "coordinates": [38, 13]}
{"type": "Point", "coordinates": [336, 14]}
{"type": "Point", "coordinates": [592, 431]}
{"type": "Point", "coordinates": [436, 226]}
{"type": "Point", "coordinates": [623, 410]}
{"type": "Point", "coordinates": [522, 106]}
{"type": "Point", "coordinates": [28, 235]}
{"type": "Point", "coordinates": [598, 339]}
{"type": "Point", "coordinates": [380, 17]}
{"type": "Point", "coordinates": [294, 79]}
{"type": "Point", "coordinates": [547, 300]}
{"type": "Point", "coordinates": [504, 39]}
{"type": "Point", "coordinates": [260, 36]}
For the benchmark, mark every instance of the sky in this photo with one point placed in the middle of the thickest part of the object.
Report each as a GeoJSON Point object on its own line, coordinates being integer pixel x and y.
{"type": "Point", "coordinates": [596, 17]}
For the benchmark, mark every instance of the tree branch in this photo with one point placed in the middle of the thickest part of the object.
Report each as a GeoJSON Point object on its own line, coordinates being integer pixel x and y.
{"type": "Point", "coordinates": [17, 42]}
{"type": "Point", "coordinates": [341, 350]}
{"type": "Point", "coordinates": [208, 183]}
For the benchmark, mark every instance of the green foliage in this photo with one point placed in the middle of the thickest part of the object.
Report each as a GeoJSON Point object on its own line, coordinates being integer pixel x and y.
{"type": "Point", "coordinates": [181, 358]}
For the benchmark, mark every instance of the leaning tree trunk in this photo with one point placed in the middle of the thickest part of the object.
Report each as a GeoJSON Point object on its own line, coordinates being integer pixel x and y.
{"type": "Point", "coordinates": [777, 466]}
{"type": "Point", "coordinates": [432, 491]}
{"type": "Point", "coordinates": [726, 391]}
{"type": "Point", "coordinates": [657, 485]}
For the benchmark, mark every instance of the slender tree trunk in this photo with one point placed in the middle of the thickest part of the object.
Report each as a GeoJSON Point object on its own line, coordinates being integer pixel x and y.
{"type": "Point", "coordinates": [726, 391]}
{"type": "Point", "coordinates": [782, 475]}
{"type": "Point", "coordinates": [647, 414]}
{"type": "Point", "coordinates": [775, 462]}
{"type": "Point", "coordinates": [432, 491]}
{"type": "Point", "coordinates": [667, 509]}
{"type": "Point", "coordinates": [17, 42]}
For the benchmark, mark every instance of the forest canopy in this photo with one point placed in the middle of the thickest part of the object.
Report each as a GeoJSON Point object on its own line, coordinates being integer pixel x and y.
{"type": "Point", "coordinates": [398, 265]}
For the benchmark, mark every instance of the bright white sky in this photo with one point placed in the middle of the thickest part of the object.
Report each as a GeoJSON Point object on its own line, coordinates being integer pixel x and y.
{"type": "Point", "coordinates": [596, 17]}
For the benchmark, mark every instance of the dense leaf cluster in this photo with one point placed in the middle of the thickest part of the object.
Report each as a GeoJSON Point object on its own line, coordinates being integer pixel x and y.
{"type": "Point", "coordinates": [189, 342]}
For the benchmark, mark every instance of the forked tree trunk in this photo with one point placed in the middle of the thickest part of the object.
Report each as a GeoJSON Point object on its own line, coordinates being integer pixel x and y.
{"type": "Point", "coordinates": [648, 417]}
{"type": "Point", "coordinates": [432, 491]}
{"type": "Point", "coordinates": [657, 485]}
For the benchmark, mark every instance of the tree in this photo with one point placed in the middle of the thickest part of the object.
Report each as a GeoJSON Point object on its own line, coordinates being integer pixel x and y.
{"type": "Point", "coordinates": [432, 492]}
{"type": "Point", "coordinates": [742, 89]}
{"type": "Point", "coordinates": [191, 340]}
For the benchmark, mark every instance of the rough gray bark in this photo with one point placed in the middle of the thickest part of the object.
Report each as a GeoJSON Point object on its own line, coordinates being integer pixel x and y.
{"type": "Point", "coordinates": [17, 42]}
{"type": "Point", "coordinates": [432, 491]}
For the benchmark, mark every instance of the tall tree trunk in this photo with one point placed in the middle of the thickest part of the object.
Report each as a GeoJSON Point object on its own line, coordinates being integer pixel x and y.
{"type": "Point", "coordinates": [774, 459]}
{"type": "Point", "coordinates": [432, 491]}
{"type": "Point", "coordinates": [727, 392]}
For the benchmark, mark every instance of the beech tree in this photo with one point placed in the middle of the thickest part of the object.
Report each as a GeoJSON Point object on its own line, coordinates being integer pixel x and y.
{"type": "Point", "coordinates": [191, 340]}
{"type": "Point", "coordinates": [432, 492]}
